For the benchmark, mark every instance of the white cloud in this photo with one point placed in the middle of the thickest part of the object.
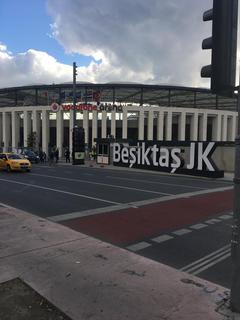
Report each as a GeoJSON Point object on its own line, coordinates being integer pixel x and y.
{"type": "Point", "coordinates": [35, 67]}
{"type": "Point", "coordinates": [152, 41]}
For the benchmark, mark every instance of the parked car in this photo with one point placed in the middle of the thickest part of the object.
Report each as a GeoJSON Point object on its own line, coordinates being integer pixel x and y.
{"type": "Point", "coordinates": [31, 156]}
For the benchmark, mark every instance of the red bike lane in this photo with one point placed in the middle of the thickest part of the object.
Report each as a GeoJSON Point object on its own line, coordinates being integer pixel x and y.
{"type": "Point", "coordinates": [134, 224]}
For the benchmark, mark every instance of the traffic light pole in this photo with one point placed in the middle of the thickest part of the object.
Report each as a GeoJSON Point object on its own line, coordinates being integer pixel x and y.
{"type": "Point", "coordinates": [235, 243]}
{"type": "Point", "coordinates": [222, 71]}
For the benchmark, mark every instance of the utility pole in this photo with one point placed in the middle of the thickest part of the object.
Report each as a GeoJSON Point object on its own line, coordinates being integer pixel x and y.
{"type": "Point", "coordinates": [235, 243]}
{"type": "Point", "coordinates": [222, 71]}
{"type": "Point", "coordinates": [74, 93]}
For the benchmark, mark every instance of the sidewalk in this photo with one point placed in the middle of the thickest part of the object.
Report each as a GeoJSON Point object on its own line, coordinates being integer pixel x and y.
{"type": "Point", "coordinates": [90, 279]}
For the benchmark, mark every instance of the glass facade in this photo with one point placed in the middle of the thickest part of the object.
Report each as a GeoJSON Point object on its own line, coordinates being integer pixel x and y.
{"type": "Point", "coordinates": [137, 94]}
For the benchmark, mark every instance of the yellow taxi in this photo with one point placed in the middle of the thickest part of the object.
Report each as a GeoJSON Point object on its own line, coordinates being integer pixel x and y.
{"type": "Point", "coordinates": [14, 162]}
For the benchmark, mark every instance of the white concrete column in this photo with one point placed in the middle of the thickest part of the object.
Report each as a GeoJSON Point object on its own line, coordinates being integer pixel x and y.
{"type": "Point", "coordinates": [124, 124]}
{"type": "Point", "coordinates": [182, 126]}
{"type": "Point", "coordinates": [160, 125]}
{"type": "Point", "coordinates": [26, 127]}
{"type": "Point", "coordinates": [169, 126]}
{"type": "Point", "coordinates": [150, 125]}
{"type": "Point", "coordinates": [232, 128]}
{"type": "Point", "coordinates": [141, 125]}
{"type": "Point", "coordinates": [45, 130]}
{"type": "Point", "coordinates": [194, 127]}
{"type": "Point", "coordinates": [203, 127]}
{"type": "Point", "coordinates": [86, 124]}
{"type": "Point", "coordinates": [15, 129]}
{"type": "Point", "coordinates": [113, 123]}
{"type": "Point", "coordinates": [94, 125]}
{"type": "Point", "coordinates": [217, 125]}
{"type": "Point", "coordinates": [104, 124]}
{"type": "Point", "coordinates": [224, 127]}
{"type": "Point", "coordinates": [60, 129]}
{"type": "Point", "coordinates": [70, 130]}
{"type": "Point", "coordinates": [36, 125]}
{"type": "Point", "coordinates": [6, 131]}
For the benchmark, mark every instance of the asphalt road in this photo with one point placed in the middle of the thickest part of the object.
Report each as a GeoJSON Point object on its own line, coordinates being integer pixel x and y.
{"type": "Point", "coordinates": [191, 231]}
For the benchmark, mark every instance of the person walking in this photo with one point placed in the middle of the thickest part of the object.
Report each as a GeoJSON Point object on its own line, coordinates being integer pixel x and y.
{"type": "Point", "coordinates": [44, 157]}
{"type": "Point", "coordinates": [41, 156]}
{"type": "Point", "coordinates": [94, 152]}
{"type": "Point", "coordinates": [56, 154]}
{"type": "Point", "coordinates": [51, 157]}
{"type": "Point", "coordinates": [67, 155]}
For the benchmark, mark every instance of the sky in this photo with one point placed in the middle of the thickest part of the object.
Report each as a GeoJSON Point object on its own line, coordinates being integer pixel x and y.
{"type": "Point", "coordinates": [150, 42]}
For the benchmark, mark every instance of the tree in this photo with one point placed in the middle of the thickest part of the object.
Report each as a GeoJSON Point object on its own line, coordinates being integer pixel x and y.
{"type": "Point", "coordinates": [32, 140]}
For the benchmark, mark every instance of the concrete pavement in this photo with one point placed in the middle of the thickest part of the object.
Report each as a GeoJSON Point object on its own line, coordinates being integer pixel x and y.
{"type": "Point", "coordinates": [89, 279]}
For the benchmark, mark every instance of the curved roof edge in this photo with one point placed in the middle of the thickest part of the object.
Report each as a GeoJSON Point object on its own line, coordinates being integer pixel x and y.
{"type": "Point", "coordinates": [104, 85]}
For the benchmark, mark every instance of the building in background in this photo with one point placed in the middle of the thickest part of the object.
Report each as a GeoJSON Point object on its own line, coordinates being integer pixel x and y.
{"type": "Point", "coordinates": [123, 111]}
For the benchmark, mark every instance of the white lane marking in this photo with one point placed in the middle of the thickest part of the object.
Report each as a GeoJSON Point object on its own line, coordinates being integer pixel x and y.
{"type": "Point", "coordinates": [208, 261]}
{"type": "Point", "coordinates": [196, 263]}
{"type": "Point", "coordinates": [198, 226]}
{"type": "Point", "coordinates": [139, 246]}
{"type": "Point", "coordinates": [225, 217]}
{"type": "Point", "coordinates": [160, 173]}
{"type": "Point", "coordinates": [156, 182]}
{"type": "Point", "coordinates": [148, 173]}
{"type": "Point", "coordinates": [6, 206]}
{"type": "Point", "coordinates": [86, 213]}
{"type": "Point", "coordinates": [181, 232]}
{"type": "Point", "coordinates": [144, 203]}
{"type": "Point", "coordinates": [163, 238]}
{"type": "Point", "coordinates": [180, 196]}
{"type": "Point", "coordinates": [212, 263]}
{"type": "Point", "coordinates": [212, 221]}
{"type": "Point", "coordinates": [99, 184]}
{"type": "Point", "coordinates": [59, 191]}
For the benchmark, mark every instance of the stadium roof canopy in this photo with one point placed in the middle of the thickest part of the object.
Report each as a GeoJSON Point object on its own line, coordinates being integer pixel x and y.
{"type": "Point", "coordinates": [160, 95]}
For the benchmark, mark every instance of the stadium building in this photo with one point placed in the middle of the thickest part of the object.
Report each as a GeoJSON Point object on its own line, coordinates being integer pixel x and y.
{"type": "Point", "coordinates": [119, 110]}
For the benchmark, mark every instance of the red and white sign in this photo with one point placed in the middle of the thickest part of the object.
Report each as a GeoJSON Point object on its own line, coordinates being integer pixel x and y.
{"type": "Point", "coordinates": [55, 107]}
{"type": "Point", "coordinates": [80, 107]}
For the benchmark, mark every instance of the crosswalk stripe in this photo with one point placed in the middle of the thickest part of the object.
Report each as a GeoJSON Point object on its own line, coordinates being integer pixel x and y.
{"type": "Point", "coordinates": [198, 263]}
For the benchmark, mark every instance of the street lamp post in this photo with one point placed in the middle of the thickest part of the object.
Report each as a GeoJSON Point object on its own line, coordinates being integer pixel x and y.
{"type": "Point", "coordinates": [74, 93]}
{"type": "Point", "coordinates": [235, 243]}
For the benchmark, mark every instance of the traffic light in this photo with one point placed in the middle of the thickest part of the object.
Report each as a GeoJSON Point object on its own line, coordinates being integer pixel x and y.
{"type": "Point", "coordinates": [222, 71]}
{"type": "Point", "coordinates": [78, 145]}
{"type": "Point", "coordinates": [74, 70]}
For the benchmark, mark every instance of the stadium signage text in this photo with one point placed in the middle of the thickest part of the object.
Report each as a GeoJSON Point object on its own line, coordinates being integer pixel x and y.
{"type": "Point", "coordinates": [169, 158]}
{"type": "Point", "coordinates": [55, 107]}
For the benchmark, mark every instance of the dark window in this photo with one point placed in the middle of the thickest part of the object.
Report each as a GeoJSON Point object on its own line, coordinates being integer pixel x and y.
{"type": "Point", "coordinates": [14, 156]}
{"type": "Point", "coordinates": [26, 97]}
{"type": "Point", "coordinates": [105, 149]}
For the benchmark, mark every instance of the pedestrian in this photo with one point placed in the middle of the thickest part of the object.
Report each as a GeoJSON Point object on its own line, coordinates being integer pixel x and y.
{"type": "Point", "coordinates": [94, 152]}
{"type": "Point", "coordinates": [41, 156]}
{"type": "Point", "coordinates": [67, 155]}
{"type": "Point", "coordinates": [56, 154]}
{"type": "Point", "coordinates": [44, 157]}
{"type": "Point", "coordinates": [51, 157]}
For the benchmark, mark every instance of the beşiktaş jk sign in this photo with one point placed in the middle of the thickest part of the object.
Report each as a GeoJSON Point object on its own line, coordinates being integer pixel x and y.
{"type": "Point", "coordinates": [192, 158]}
